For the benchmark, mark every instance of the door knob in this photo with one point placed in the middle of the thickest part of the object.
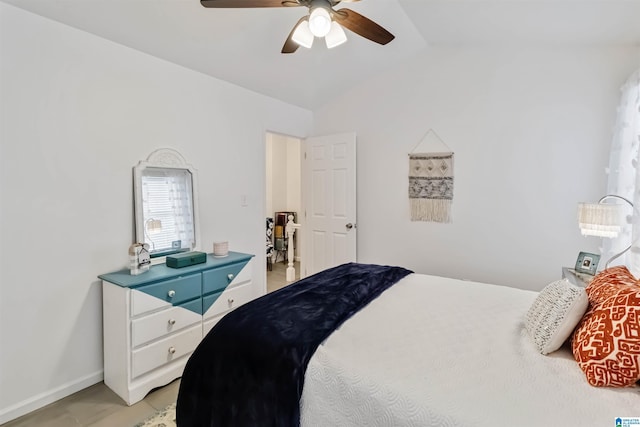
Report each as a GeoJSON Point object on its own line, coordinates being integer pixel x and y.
{"type": "Point", "coordinates": [349, 226]}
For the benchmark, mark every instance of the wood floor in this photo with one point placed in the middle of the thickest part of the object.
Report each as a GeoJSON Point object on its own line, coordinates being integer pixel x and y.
{"type": "Point", "coordinates": [98, 406]}
{"type": "Point", "coordinates": [277, 278]}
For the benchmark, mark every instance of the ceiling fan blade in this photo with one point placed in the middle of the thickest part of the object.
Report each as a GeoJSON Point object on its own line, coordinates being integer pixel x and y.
{"type": "Point", "coordinates": [247, 3]}
{"type": "Point", "coordinates": [363, 26]}
{"type": "Point", "coordinates": [289, 45]}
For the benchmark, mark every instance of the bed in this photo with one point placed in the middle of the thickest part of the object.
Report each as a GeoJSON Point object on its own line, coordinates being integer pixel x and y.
{"type": "Point", "coordinates": [422, 351]}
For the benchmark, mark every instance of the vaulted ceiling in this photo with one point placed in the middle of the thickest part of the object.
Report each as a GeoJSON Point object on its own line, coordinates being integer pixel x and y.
{"type": "Point", "coordinates": [242, 46]}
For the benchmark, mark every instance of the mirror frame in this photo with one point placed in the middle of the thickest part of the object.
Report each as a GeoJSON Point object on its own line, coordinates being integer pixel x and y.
{"type": "Point", "coordinates": [163, 158]}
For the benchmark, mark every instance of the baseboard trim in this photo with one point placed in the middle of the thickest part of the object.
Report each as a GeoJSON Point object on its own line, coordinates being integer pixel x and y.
{"type": "Point", "coordinates": [43, 399]}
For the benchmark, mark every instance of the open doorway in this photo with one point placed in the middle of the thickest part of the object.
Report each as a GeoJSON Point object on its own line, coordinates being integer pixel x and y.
{"type": "Point", "coordinates": [283, 197]}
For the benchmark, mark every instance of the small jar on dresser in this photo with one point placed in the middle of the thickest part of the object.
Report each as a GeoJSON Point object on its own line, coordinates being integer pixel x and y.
{"type": "Point", "coordinates": [152, 322]}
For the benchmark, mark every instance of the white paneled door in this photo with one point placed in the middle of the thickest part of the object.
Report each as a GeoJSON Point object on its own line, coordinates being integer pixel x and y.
{"type": "Point", "coordinates": [329, 199]}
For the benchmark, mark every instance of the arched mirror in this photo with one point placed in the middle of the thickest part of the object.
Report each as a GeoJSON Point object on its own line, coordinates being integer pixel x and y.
{"type": "Point", "coordinates": [166, 203]}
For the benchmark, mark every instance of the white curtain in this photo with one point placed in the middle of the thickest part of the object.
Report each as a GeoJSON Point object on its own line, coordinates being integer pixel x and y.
{"type": "Point", "coordinates": [624, 175]}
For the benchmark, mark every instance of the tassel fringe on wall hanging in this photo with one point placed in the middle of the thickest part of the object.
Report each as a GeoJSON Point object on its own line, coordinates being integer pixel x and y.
{"type": "Point", "coordinates": [431, 181]}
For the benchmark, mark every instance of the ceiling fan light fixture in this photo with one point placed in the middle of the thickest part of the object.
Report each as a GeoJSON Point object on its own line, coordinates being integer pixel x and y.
{"type": "Point", "coordinates": [320, 21]}
{"type": "Point", "coordinates": [335, 36]}
{"type": "Point", "coordinates": [303, 35]}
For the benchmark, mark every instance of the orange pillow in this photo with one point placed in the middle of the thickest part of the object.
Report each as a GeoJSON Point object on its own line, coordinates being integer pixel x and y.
{"type": "Point", "coordinates": [606, 342]}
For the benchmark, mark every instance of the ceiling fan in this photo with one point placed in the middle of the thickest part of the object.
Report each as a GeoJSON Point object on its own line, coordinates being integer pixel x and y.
{"type": "Point", "coordinates": [322, 21]}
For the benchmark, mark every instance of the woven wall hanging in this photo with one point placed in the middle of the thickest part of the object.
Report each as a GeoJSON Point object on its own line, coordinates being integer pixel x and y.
{"type": "Point", "coordinates": [431, 180]}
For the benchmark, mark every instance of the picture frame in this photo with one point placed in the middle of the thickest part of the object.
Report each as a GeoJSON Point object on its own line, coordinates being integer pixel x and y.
{"type": "Point", "coordinates": [587, 263]}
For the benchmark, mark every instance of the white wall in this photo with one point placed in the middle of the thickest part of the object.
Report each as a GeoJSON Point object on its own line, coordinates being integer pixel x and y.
{"type": "Point", "coordinates": [283, 173]}
{"type": "Point", "coordinates": [530, 129]}
{"type": "Point", "coordinates": [269, 174]}
{"type": "Point", "coordinates": [294, 175]}
{"type": "Point", "coordinates": [278, 155]}
{"type": "Point", "coordinates": [77, 113]}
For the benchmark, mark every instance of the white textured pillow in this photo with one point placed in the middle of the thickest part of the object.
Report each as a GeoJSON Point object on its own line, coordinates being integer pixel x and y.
{"type": "Point", "coordinates": [554, 314]}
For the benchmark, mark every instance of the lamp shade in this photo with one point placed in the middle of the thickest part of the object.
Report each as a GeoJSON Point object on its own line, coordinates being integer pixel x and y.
{"type": "Point", "coordinates": [154, 226]}
{"type": "Point", "coordinates": [335, 36]}
{"type": "Point", "coordinates": [319, 22]}
{"type": "Point", "coordinates": [598, 219]}
{"type": "Point", "coordinates": [302, 35]}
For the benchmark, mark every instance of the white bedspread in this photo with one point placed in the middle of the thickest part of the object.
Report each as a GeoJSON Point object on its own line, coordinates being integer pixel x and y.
{"type": "Point", "coordinates": [433, 351]}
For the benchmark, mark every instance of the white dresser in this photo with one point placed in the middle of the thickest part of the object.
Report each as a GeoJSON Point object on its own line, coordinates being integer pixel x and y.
{"type": "Point", "coordinates": [152, 322]}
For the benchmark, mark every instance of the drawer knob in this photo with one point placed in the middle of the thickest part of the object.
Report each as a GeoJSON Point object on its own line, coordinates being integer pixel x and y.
{"type": "Point", "coordinates": [171, 293]}
{"type": "Point", "coordinates": [230, 276]}
{"type": "Point", "coordinates": [172, 322]}
{"type": "Point", "coordinates": [230, 300]}
{"type": "Point", "coordinates": [172, 350]}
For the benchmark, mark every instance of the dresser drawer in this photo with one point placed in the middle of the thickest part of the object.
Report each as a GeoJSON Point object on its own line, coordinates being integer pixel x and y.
{"type": "Point", "coordinates": [219, 278]}
{"type": "Point", "coordinates": [173, 291]}
{"type": "Point", "coordinates": [165, 351]}
{"type": "Point", "coordinates": [221, 302]}
{"type": "Point", "coordinates": [157, 325]}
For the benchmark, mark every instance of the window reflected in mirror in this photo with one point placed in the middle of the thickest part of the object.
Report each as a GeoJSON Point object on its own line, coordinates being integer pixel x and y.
{"type": "Point", "coordinates": [166, 203]}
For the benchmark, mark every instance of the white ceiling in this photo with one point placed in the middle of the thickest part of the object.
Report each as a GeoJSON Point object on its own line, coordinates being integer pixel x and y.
{"type": "Point", "coordinates": [242, 46]}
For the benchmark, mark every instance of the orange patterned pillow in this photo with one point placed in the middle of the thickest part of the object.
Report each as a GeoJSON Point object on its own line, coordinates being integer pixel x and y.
{"type": "Point", "coordinates": [606, 342]}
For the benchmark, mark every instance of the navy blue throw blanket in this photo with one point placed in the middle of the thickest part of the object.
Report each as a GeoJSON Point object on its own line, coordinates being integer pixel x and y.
{"type": "Point", "coordinates": [249, 370]}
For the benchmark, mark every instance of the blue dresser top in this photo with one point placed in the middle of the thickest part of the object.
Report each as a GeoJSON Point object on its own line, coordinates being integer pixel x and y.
{"type": "Point", "coordinates": [161, 272]}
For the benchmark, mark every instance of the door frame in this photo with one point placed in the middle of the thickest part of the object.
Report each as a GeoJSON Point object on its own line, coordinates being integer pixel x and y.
{"type": "Point", "coordinates": [300, 219]}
